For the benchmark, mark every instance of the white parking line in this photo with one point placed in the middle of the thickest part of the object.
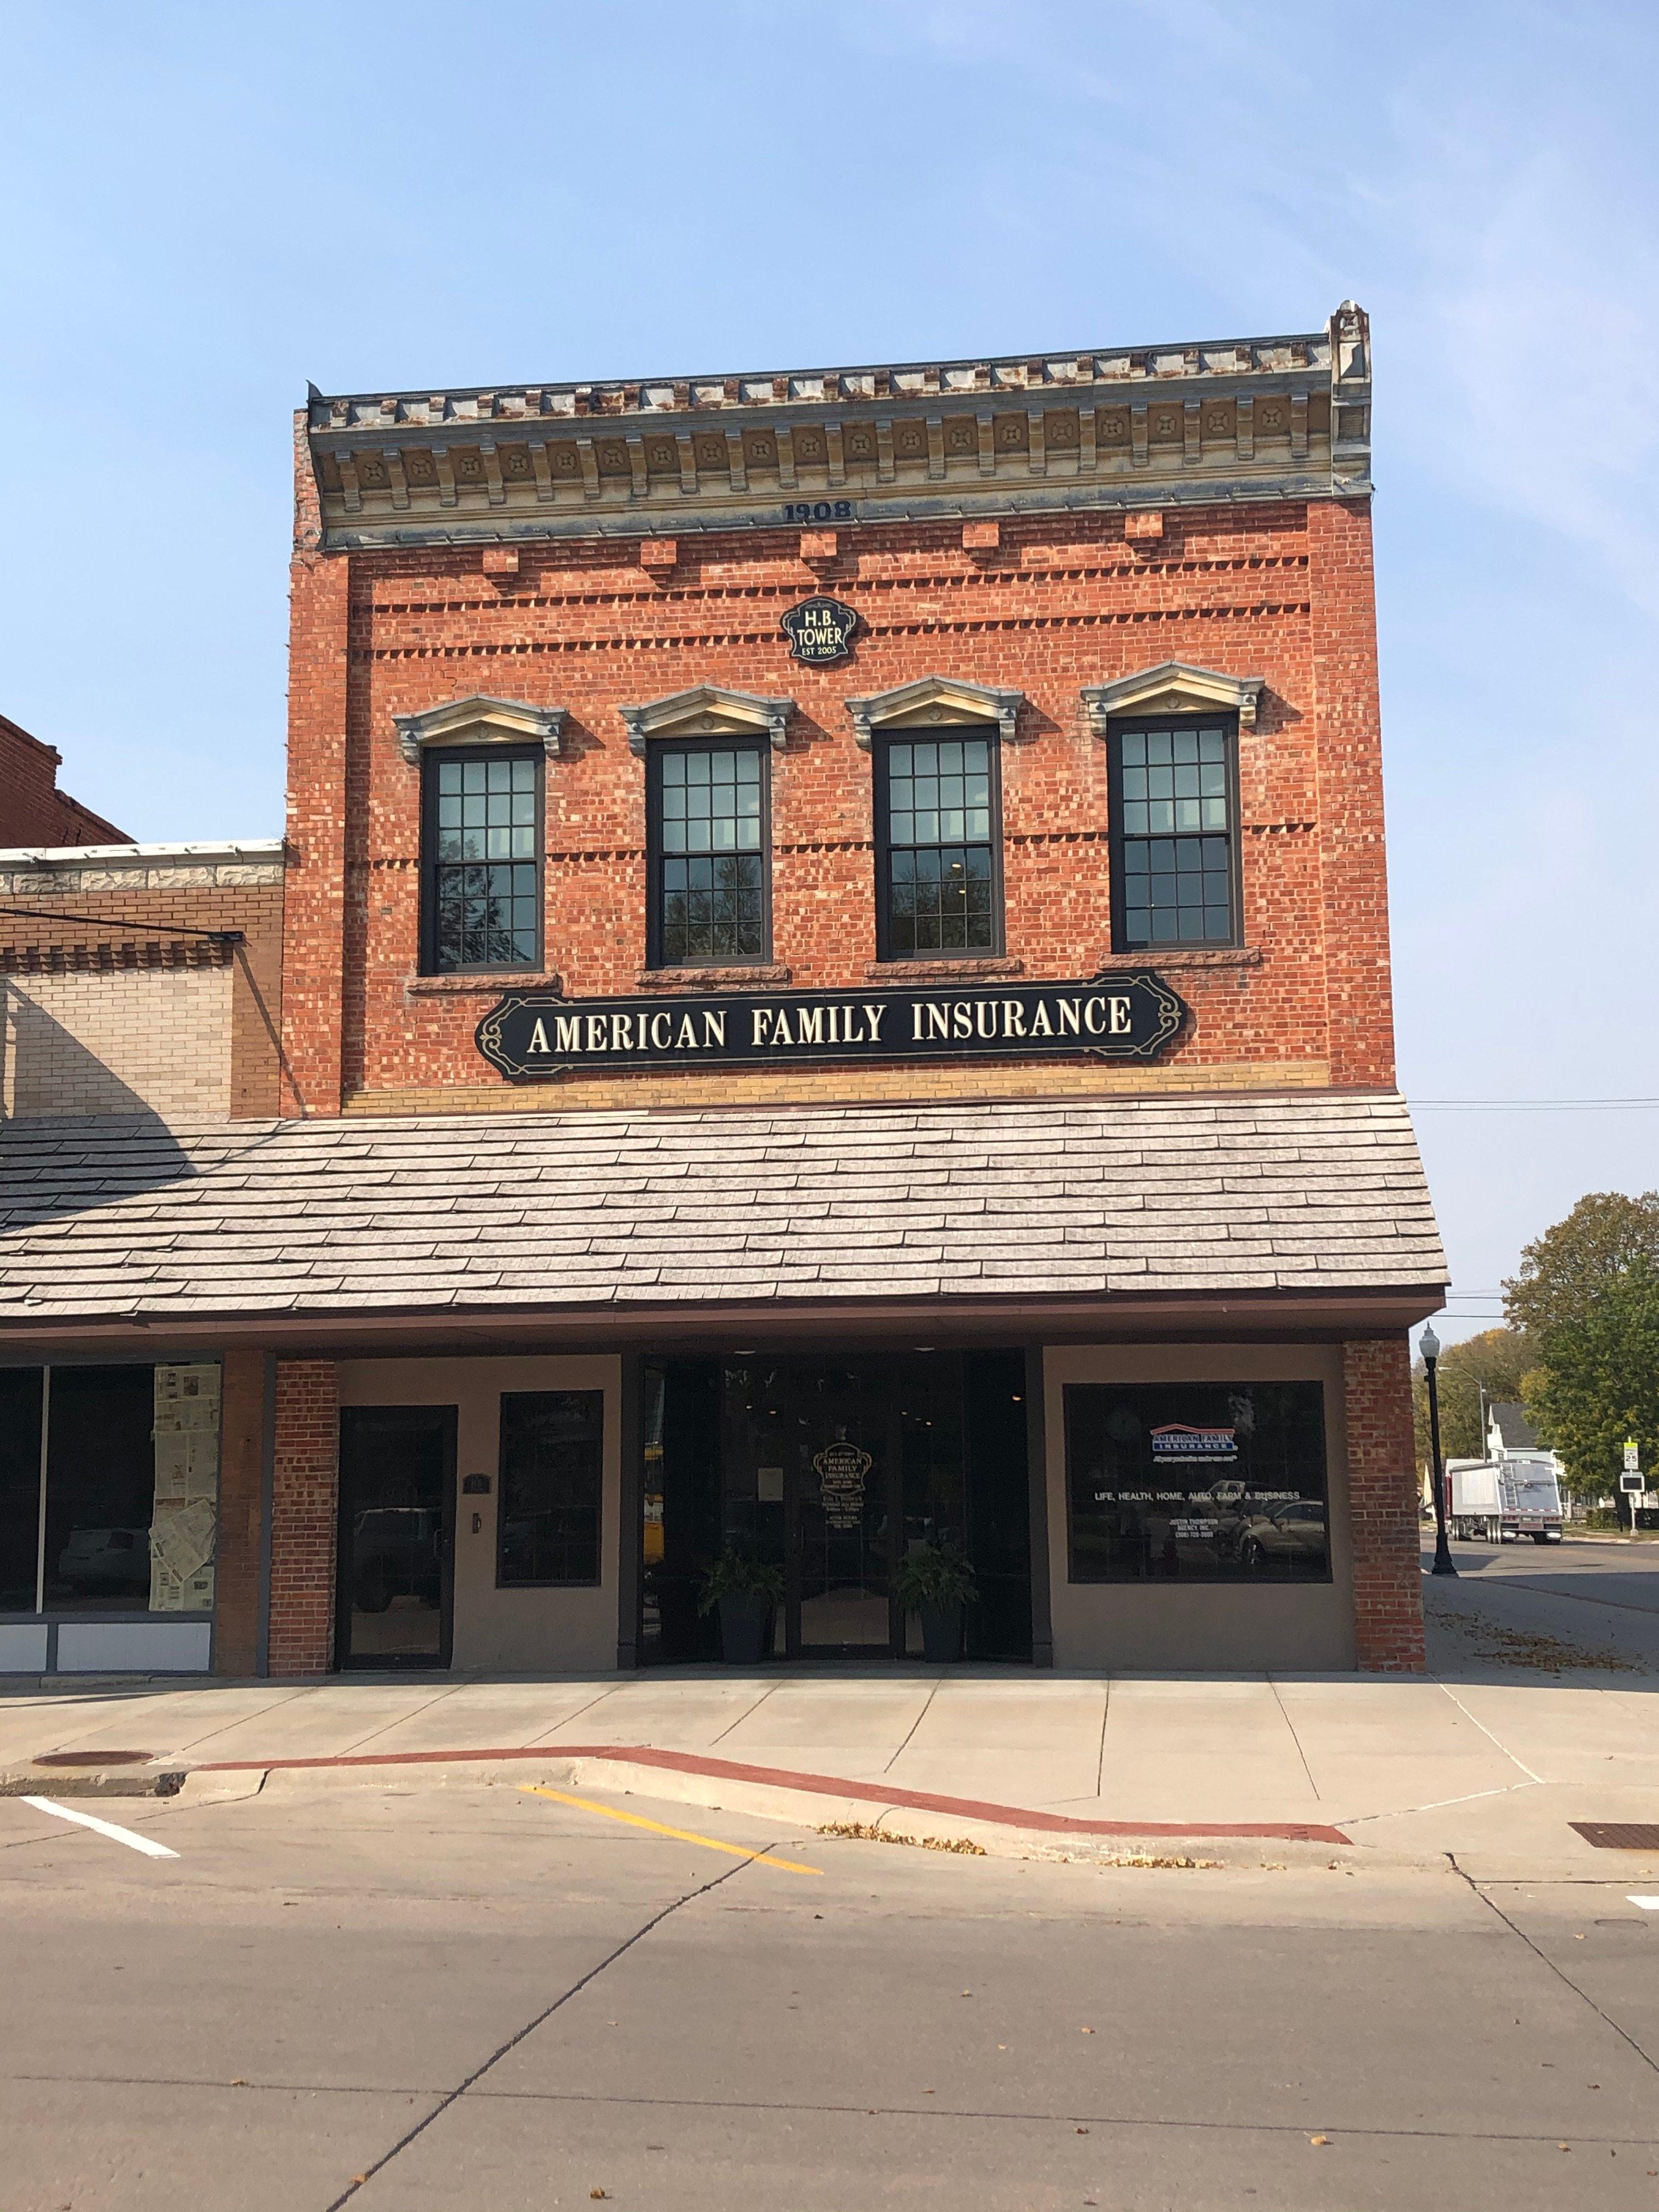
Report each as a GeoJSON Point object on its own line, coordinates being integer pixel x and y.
{"type": "Point", "coordinates": [1647, 1904]}
{"type": "Point", "coordinates": [127, 1836]}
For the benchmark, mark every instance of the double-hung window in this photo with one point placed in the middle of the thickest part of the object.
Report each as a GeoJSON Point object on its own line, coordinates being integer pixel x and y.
{"type": "Point", "coordinates": [707, 855]}
{"type": "Point", "coordinates": [481, 859]}
{"type": "Point", "coordinates": [1175, 834]}
{"type": "Point", "coordinates": [938, 874]}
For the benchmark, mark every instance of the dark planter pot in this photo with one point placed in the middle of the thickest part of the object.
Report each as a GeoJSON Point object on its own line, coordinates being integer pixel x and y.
{"type": "Point", "coordinates": [941, 1634]}
{"type": "Point", "coordinates": [744, 1623]}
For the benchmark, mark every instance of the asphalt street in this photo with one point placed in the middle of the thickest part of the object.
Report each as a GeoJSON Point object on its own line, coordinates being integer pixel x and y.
{"type": "Point", "coordinates": [1566, 1606]}
{"type": "Point", "coordinates": [407, 1997]}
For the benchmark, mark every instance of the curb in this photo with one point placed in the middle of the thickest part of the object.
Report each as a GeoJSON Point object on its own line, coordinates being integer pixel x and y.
{"type": "Point", "coordinates": [120, 1781]}
{"type": "Point", "coordinates": [647, 1762]}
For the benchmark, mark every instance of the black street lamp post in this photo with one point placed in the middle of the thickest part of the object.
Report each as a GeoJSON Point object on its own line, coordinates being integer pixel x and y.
{"type": "Point", "coordinates": [1428, 1345]}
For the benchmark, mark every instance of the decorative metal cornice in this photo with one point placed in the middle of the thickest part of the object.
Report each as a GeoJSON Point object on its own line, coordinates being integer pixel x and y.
{"type": "Point", "coordinates": [478, 721]}
{"type": "Point", "coordinates": [931, 699]}
{"type": "Point", "coordinates": [707, 710]}
{"type": "Point", "coordinates": [1257, 418]}
{"type": "Point", "coordinates": [1173, 687]}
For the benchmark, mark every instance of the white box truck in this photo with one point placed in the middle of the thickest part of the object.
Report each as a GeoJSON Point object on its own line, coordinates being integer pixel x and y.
{"type": "Point", "coordinates": [1476, 1503]}
{"type": "Point", "coordinates": [1500, 1501]}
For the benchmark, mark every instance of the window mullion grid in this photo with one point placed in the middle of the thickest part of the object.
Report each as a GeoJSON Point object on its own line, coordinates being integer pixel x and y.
{"type": "Point", "coordinates": [710, 832]}
{"type": "Point", "coordinates": [939, 806]}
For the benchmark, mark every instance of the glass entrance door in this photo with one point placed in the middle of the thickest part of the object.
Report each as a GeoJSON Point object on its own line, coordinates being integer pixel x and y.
{"type": "Point", "coordinates": [838, 1498]}
{"type": "Point", "coordinates": [395, 1558]}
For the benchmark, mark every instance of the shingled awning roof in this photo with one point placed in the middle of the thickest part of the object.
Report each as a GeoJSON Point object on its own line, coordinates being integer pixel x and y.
{"type": "Point", "coordinates": [550, 1217]}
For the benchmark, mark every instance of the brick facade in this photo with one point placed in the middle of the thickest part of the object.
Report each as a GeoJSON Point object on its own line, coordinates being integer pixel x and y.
{"type": "Point", "coordinates": [305, 1505]}
{"type": "Point", "coordinates": [116, 999]}
{"type": "Point", "coordinates": [32, 810]}
{"type": "Point", "coordinates": [1280, 589]}
{"type": "Point", "coordinates": [1382, 1501]}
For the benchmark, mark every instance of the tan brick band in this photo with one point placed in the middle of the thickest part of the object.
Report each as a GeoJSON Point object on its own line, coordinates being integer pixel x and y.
{"type": "Point", "coordinates": [906, 1080]}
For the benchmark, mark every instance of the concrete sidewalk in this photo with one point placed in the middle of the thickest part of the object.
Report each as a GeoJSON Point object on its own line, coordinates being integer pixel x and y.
{"type": "Point", "coordinates": [1410, 1769]}
{"type": "Point", "coordinates": [1541, 1708]}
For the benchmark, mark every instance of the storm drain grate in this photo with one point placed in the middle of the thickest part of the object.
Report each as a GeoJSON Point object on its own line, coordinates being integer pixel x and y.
{"type": "Point", "coordinates": [104, 1758]}
{"type": "Point", "coordinates": [1619, 1835]}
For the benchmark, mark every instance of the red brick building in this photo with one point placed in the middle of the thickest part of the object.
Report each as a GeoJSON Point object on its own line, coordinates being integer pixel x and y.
{"type": "Point", "coordinates": [32, 810]}
{"type": "Point", "coordinates": [835, 1021]}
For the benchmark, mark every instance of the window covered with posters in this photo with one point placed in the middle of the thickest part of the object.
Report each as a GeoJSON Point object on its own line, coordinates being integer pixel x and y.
{"type": "Point", "coordinates": [1197, 1482]}
{"type": "Point", "coordinates": [109, 1486]}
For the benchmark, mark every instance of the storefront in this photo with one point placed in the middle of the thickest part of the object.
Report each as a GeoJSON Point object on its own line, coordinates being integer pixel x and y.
{"type": "Point", "coordinates": [834, 1017]}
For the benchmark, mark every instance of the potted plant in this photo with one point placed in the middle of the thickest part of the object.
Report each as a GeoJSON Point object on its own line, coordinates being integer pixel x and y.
{"type": "Point", "coordinates": [746, 1591]}
{"type": "Point", "coordinates": [937, 1582]}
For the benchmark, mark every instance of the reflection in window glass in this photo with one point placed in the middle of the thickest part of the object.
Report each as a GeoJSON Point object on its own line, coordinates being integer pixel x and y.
{"type": "Point", "coordinates": [711, 882]}
{"type": "Point", "coordinates": [20, 1487]}
{"type": "Point", "coordinates": [485, 875]}
{"type": "Point", "coordinates": [938, 859]}
{"type": "Point", "coordinates": [552, 1485]}
{"type": "Point", "coordinates": [101, 1489]}
{"type": "Point", "coordinates": [1196, 1482]}
{"type": "Point", "coordinates": [1173, 836]}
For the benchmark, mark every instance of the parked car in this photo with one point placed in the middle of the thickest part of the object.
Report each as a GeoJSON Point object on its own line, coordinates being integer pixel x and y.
{"type": "Point", "coordinates": [395, 1553]}
{"type": "Point", "coordinates": [1290, 1536]}
{"type": "Point", "coordinates": [106, 1563]}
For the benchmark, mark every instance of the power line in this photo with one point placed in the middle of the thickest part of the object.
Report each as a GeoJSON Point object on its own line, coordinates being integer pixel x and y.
{"type": "Point", "coordinates": [1531, 1105]}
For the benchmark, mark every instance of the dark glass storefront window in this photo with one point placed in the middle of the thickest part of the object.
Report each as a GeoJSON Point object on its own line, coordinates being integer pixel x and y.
{"type": "Point", "coordinates": [20, 1487]}
{"type": "Point", "coordinates": [101, 1489]}
{"type": "Point", "coordinates": [830, 1470]}
{"type": "Point", "coordinates": [1197, 1482]}
{"type": "Point", "coordinates": [131, 1491]}
{"type": "Point", "coordinates": [552, 1485]}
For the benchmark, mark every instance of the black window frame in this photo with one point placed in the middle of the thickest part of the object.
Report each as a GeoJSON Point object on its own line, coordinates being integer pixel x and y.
{"type": "Point", "coordinates": [656, 752]}
{"type": "Point", "coordinates": [432, 759]}
{"type": "Point", "coordinates": [503, 1581]}
{"type": "Point", "coordinates": [1117, 729]}
{"type": "Point", "coordinates": [930, 732]}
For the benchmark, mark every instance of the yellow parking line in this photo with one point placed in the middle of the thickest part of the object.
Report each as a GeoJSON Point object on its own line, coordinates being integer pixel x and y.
{"type": "Point", "coordinates": [680, 1835]}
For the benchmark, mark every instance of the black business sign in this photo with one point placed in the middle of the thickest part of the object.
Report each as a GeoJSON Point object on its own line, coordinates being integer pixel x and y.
{"type": "Point", "coordinates": [1128, 1014]}
{"type": "Point", "coordinates": [820, 630]}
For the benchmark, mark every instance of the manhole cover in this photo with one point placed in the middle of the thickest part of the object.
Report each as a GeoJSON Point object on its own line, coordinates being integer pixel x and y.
{"type": "Point", "coordinates": [94, 1758]}
{"type": "Point", "coordinates": [1620, 1835]}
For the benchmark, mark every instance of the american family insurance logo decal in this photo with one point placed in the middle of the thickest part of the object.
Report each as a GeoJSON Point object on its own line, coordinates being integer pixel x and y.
{"type": "Point", "coordinates": [1177, 1441]}
{"type": "Point", "coordinates": [1131, 1014]}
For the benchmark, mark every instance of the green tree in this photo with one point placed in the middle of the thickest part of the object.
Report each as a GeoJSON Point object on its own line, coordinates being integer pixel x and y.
{"type": "Point", "coordinates": [1496, 1360]}
{"type": "Point", "coordinates": [1587, 1294]}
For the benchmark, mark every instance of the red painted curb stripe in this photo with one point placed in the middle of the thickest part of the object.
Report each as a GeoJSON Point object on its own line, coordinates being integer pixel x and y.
{"type": "Point", "coordinates": [816, 1785]}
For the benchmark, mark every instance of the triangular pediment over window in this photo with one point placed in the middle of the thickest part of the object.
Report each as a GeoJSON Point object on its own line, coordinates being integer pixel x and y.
{"type": "Point", "coordinates": [931, 699]}
{"type": "Point", "coordinates": [1173, 687]}
{"type": "Point", "coordinates": [707, 710]}
{"type": "Point", "coordinates": [480, 721]}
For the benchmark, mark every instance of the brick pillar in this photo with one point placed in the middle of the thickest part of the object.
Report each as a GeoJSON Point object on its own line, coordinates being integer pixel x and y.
{"type": "Point", "coordinates": [1387, 1587]}
{"type": "Point", "coordinates": [1342, 622]}
{"type": "Point", "coordinates": [236, 1566]}
{"type": "Point", "coordinates": [305, 1494]}
{"type": "Point", "coordinates": [314, 894]}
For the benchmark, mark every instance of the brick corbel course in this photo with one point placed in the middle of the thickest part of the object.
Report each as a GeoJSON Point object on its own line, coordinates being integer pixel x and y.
{"type": "Point", "coordinates": [1388, 1584]}
{"type": "Point", "coordinates": [305, 1505]}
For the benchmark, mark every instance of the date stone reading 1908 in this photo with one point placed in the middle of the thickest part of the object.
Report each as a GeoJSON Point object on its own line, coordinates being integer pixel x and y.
{"type": "Point", "coordinates": [820, 630]}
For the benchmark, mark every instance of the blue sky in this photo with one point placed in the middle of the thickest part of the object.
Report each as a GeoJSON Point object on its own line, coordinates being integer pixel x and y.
{"type": "Point", "coordinates": [205, 206]}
